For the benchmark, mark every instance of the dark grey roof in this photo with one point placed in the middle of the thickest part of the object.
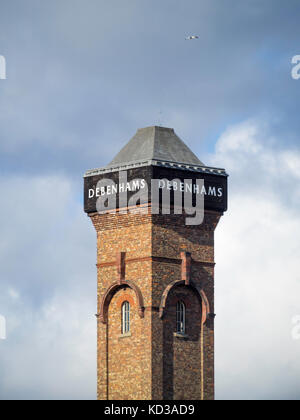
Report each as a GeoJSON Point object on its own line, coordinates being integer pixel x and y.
{"type": "Point", "coordinates": [156, 143]}
{"type": "Point", "coordinates": [156, 146]}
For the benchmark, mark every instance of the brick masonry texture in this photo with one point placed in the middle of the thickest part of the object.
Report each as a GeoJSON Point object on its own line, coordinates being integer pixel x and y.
{"type": "Point", "coordinates": [152, 362]}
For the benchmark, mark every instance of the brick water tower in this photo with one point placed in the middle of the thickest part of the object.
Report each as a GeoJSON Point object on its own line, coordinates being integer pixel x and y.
{"type": "Point", "coordinates": [155, 270]}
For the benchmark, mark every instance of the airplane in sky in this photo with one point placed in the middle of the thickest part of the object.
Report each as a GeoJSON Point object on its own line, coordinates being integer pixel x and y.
{"type": "Point", "coordinates": [191, 37]}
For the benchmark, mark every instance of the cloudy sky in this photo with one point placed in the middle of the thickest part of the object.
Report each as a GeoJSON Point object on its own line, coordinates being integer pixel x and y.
{"type": "Point", "coordinates": [82, 76]}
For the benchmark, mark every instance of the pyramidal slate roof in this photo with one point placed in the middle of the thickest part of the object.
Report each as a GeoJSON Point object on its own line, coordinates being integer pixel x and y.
{"type": "Point", "coordinates": [157, 146]}
{"type": "Point", "coordinates": [156, 143]}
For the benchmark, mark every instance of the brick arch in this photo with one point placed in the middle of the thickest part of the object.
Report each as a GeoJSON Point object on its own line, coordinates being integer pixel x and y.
{"type": "Point", "coordinates": [108, 295]}
{"type": "Point", "coordinates": [125, 298]}
{"type": "Point", "coordinates": [199, 293]}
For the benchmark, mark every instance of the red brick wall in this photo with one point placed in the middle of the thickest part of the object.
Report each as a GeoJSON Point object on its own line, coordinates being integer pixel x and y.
{"type": "Point", "coordinates": [154, 363]}
{"type": "Point", "coordinates": [170, 237]}
{"type": "Point", "coordinates": [126, 370]}
{"type": "Point", "coordinates": [182, 357]}
{"type": "Point", "coordinates": [131, 234]}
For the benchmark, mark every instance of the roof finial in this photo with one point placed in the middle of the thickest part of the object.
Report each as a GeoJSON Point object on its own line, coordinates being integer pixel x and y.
{"type": "Point", "coordinates": [160, 120]}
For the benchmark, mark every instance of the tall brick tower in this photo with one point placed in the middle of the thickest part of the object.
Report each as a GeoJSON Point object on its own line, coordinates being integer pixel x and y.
{"type": "Point", "coordinates": [155, 272]}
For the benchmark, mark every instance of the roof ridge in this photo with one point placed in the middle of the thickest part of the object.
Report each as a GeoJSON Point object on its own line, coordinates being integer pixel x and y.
{"type": "Point", "coordinates": [154, 142]}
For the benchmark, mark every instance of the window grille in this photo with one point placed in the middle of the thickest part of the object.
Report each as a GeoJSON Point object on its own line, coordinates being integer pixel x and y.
{"type": "Point", "coordinates": [180, 318]}
{"type": "Point", "coordinates": [126, 318]}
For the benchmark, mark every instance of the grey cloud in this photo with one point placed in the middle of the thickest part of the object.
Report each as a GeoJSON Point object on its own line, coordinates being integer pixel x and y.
{"type": "Point", "coordinates": [86, 74]}
{"type": "Point", "coordinates": [82, 77]}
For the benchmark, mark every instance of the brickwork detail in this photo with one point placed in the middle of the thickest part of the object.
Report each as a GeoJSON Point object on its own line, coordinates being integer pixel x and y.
{"type": "Point", "coordinates": [182, 356]}
{"type": "Point", "coordinates": [104, 306]}
{"type": "Point", "coordinates": [159, 260]}
{"type": "Point", "coordinates": [186, 267]}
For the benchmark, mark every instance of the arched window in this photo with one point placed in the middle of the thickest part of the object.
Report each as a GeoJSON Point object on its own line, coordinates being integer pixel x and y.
{"type": "Point", "coordinates": [180, 318]}
{"type": "Point", "coordinates": [126, 318]}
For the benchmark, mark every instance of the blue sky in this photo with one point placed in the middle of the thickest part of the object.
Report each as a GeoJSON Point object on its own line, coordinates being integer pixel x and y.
{"type": "Point", "coordinates": [82, 76]}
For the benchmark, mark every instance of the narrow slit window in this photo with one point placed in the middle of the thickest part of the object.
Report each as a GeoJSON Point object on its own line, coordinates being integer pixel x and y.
{"type": "Point", "coordinates": [126, 318]}
{"type": "Point", "coordinates": [180, 318]}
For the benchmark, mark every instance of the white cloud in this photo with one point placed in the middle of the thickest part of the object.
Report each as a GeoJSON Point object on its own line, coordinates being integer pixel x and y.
{"type": "Point", "coordinates": [257, 272]}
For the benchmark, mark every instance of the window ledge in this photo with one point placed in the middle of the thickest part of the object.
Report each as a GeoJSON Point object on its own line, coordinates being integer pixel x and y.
{"type": "Point", "coordinates": [125, 335]}
{"type": "Point", "coordinates": [181, 336]}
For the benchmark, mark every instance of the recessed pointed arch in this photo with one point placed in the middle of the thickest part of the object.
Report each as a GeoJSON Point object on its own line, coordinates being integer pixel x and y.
{"type": "Point", "coordinates": [199, 293]}
{"type": "Point", "coordinates": [110, 292]}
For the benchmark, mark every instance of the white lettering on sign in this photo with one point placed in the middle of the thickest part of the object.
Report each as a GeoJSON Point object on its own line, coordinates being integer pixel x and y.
{"type": "Point", "coordinates": [188, 196]}
{"type": "Point", "coordinates": [296, 69]}
{"type": "Point", "coordinates": [141, 184]}
{"type": "Point", "coordinates": [133, 186]}
{"type": "Point", "coordinates": [188, 187]}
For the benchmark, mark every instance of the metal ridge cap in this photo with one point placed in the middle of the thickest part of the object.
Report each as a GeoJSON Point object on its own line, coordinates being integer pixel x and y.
{"type": "Point", "coordinates": [156, 162]}
{"type": "Point", "coordinates": [115, 168]}
{"type": "Point", "coordinates": [187, 166]}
